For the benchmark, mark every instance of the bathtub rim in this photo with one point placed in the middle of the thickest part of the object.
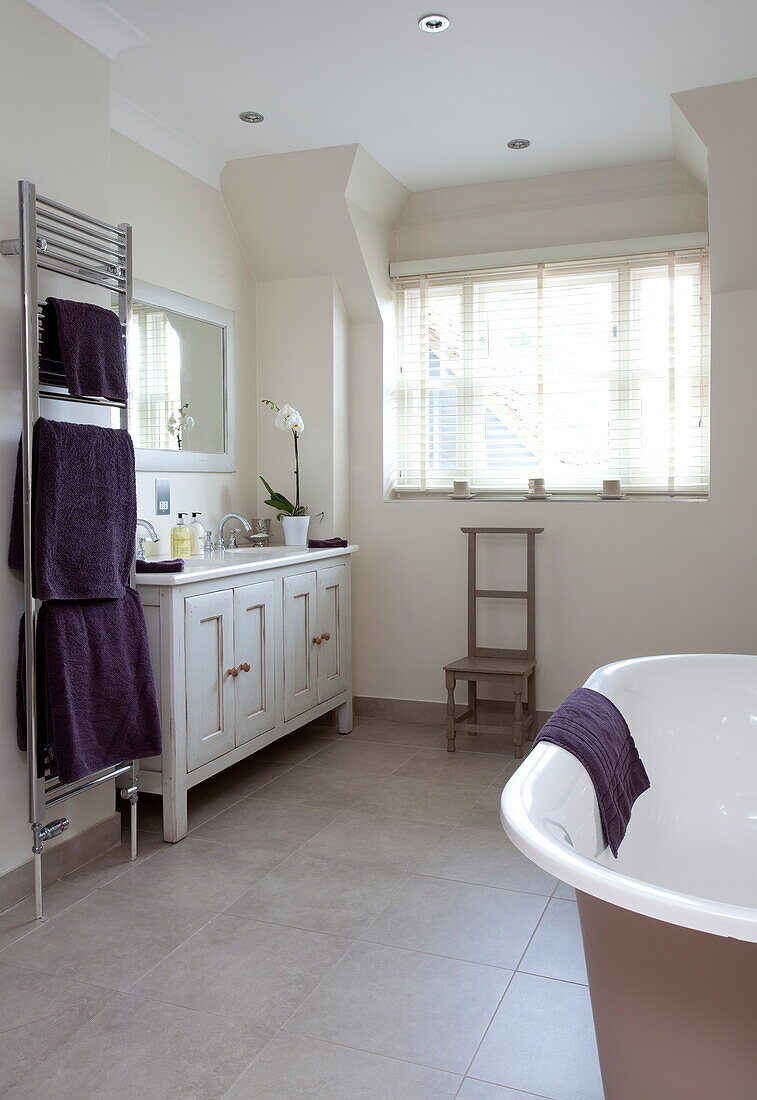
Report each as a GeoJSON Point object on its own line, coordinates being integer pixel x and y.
{"type": "Point", "coordinates": [585, 874]}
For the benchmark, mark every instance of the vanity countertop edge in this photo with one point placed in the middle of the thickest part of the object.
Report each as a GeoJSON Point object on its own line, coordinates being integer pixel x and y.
{"type": "Point", "coordinates": [242, 561]}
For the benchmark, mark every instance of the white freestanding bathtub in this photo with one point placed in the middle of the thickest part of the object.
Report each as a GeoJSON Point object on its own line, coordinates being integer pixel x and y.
{"type": "Point", "coordinates": [670, 926]}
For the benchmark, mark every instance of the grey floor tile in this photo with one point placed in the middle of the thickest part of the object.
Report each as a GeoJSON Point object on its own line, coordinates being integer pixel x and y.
{"type": "Point", "coordinates": [37, 1014]}
{"type": "Point", "coordinates": [323, 894]}
{"type": "Point", "coordinates": [484, 814]}
{"type": "Point", "coordinates": [21, 919]}
{"type": "Point", "coordinates": [325, 787]}
{"type": "Point", "coordinates": [223, 790]}
{"type": "Point", "coordinates": [244, 969]}
{"type": "Point", "coordinates": [498, 742]}
{"type": "Point", "coordinates": [258, 823]}
{"type": "Point", "coordinates": [197, 873]}
{"type": "Point", "coordinates": [557, 950]}
{"type": "Point", "coordinates": [567, 893]}
{"type": "Point", "coordinates": [294, 748]}
{"type": "Point", "coordinates": [387, 841]}
{"type": "Point", "coordinates": [404, 1004]}
{"type": "Point", "coordinates": [293, 1067]}
{"type": "Point", "coordinates": [102, 870]}
{"type": "Point", "coordinates": [137, 1048]}
{"type": "Point", "coordinates": [488, 858]}
{"type": "Point", "coordinates": [395, 733]}
{"type": "Point", "coordinates": [482, 1090]}
{"type": "Point", "coordinates": [459, 920]}
{"type": "Point", "coordinates": [419, 799]}
{"type": "Point", "coordinates": [542, 1040]}
{"type": "Point", "coordinates": [108, 939]}
{"type": "Point", "coordinates": [464, 767]}
{"type": "Point", "coordinates": [363, 757]}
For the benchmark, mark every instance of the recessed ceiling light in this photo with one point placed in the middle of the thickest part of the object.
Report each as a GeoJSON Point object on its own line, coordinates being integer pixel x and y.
{"type": "Point", "coordinates": [518, 143]}
{"type": "Point", "coordinates": [432, 24]}
{"type": "Point", "coordinates": [251, 116]}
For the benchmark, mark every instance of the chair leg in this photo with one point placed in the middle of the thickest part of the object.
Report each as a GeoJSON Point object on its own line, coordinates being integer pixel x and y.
{"type": "Point", "coordinates": [532, 705]}
{"type": "Point", "coordinates": [518, 717]}
{"type": "Point", "coordinates": [472, 705]}
{"type": "Point", "coordinates": [451, 730]}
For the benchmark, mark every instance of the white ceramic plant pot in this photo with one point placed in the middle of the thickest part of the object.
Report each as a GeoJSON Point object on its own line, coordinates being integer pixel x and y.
{"type": "Point", "coordinates": [295, 530]}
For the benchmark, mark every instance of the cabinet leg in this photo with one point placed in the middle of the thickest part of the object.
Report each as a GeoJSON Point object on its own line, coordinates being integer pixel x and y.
{"type": "Point", "coordinates": [344, 717]}
{"type": "Point", "coordinates": [451, 731]}
{"type": "Point", "coordinates": [174, 816]}
{"type": "Point", "coordinates": [518, 716]}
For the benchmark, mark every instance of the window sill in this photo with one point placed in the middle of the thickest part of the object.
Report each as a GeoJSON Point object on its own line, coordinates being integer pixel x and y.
{"type": "Point", "coordinates": [554, 498]}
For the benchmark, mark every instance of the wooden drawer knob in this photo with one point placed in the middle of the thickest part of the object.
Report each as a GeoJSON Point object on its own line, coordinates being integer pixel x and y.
{"type": "Point", "coordinates": [245, 666]}
{"type": "Point", "coordinates": [325, 637]}
{"type": "Point", "coordinates": [316, 641]}
{"type": "Point", "coordinates": [232, 671]}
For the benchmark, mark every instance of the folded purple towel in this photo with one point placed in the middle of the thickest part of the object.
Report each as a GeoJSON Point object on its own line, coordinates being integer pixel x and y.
{"type": "Point", "coordinates": [588, 725]}
{"type": "Point", "coordinates": [176, 565]}
{"type": "Point", "coordinates": [326, 544]}
{"type": "Point", "coordinates": [88, 340]}
{"type": "Point", "coordinates": [85, 511]}
{"type": "Point", "coordinates": [97, 701]}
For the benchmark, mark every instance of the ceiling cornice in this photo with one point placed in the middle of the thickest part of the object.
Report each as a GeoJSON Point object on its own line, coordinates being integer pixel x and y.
{"type": "Point", "coordinates": [95, 23]}
{"type": "Point", "coordinates": [143, 128]}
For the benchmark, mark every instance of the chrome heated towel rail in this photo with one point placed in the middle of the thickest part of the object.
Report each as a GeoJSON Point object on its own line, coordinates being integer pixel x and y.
{"type": "Point", "coordinates": [58, 239]}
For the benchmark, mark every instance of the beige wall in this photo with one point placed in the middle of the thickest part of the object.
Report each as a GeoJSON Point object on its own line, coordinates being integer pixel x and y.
{"type": "Point", "coordinates": [184, 240]}
{"type": "Point", "coordinates": [54, 132]}
{"type": "Point", "coordinates": [614, 580]}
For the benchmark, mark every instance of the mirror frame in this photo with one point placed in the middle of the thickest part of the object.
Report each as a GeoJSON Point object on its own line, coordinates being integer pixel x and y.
{"type": "Point", "coordinates": [153, 459]}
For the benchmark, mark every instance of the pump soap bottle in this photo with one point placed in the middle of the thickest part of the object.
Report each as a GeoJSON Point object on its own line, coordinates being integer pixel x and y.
{"type": "Point", "coordinates": [197, 533]}
{"type": "Point", "coordinates": [181, 539]}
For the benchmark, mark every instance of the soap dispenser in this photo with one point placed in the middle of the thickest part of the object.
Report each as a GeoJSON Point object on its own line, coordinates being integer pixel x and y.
{"type": "Point", "coordinates": [181, 539]}
{"type": "Point", "coordinates": [197, 534]}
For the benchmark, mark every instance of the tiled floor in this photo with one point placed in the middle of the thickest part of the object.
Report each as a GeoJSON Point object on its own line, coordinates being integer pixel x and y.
{"type": "Point", "coordinates": [345, 921]}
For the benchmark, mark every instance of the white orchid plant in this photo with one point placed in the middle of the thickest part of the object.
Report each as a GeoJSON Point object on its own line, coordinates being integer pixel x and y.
{"type": "Point", "coordinates": [287, 420]}
{"type": "Point", "coordinates": [180, 423]}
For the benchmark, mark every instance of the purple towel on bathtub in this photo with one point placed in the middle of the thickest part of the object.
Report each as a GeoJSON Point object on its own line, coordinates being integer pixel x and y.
{"type": "Point", "coordinates": [97, 702]}
{"type": "Point", "coordinates": [592, 728]}
{"type": "Point", "coordinates": [88, 340]}
{"type": "Point", "coordinates": [85, 511]}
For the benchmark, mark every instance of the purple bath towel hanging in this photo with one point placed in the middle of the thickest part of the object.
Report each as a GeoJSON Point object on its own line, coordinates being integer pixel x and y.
{"type": "Point", "coordinates": [592, 728]}
{"type": "Point", "coordinates": [87, 339]}
{"type": "Point", "coordinates": [84, 511]}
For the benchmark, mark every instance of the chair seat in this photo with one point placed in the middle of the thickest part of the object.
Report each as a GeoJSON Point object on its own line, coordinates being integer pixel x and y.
{"type": "Point", "coordinates": [497, 666]}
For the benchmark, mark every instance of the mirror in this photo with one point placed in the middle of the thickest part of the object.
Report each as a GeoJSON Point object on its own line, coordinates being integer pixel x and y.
{"type": "Point", "coordinates": [180, 369]}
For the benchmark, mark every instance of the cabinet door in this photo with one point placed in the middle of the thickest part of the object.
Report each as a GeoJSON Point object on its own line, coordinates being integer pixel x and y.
{"type": "Point", "coordinates": [332, 618]}
{"type": "Point", "coordinates": [300, 661]}
{"type": "Point", "coordinates": [209, 645]}
{"type": "Point", "coordinates": [254, 641]}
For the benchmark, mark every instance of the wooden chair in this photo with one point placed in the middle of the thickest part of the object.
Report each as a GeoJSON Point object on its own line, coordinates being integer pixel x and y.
{"type": "Point", "coordinates": [514, 666]}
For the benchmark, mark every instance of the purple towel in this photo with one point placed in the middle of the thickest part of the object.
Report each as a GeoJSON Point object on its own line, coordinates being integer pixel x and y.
{"type": "Point", "coordinates": [326, 544]}
{"type": "Point", "coordinates": [87, 339]}
{"type": "Point", "coordinates": [97, 701]}
{"type": "Point", "coordinates": [175, 565]}
{"type": "Point", "coordinates": [592, 728]}
{"type": "Point", "coordinates": [85, 511]}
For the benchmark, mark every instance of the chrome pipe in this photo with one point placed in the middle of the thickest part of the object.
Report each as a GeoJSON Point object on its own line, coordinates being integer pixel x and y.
{"type": "Point", "coordinates": [116, 248]}
{"type": "Point", "coordinates": [84, 269]}
{"type": "Point", "coordinates": [105, 402]}
{"type": "Point", "coordinates": [113, 264]}
{"type": "Point", "coordinates": [78, 275]}
{"type": "Point", "coordinates": [78, 227]}
{"type": "Point", "coordinates": [70, 793]}
{"type": "Point", "coordinates": [52, 205]}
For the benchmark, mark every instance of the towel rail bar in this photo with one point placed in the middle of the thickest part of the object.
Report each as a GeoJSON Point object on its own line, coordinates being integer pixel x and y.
{"type": "Point", "coordinates": [96, 242]}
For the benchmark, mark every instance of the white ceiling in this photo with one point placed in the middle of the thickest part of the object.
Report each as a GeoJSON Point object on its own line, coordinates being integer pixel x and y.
{"type": "Point", "coordinates": [587, 81]}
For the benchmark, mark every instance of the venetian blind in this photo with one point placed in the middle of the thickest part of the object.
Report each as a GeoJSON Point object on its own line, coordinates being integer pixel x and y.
{"type": "Point", "coordinates": [570, 371]}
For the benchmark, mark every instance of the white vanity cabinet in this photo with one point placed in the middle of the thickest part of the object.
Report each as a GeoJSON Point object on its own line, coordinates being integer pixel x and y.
{"type": "Point", "coordinates": [246, 648]}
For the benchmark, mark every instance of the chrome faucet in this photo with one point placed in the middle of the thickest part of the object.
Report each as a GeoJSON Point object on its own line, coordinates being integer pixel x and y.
{"type": "Point", "coordinates": [142, 539]}
{"type": "Point", "coordinates": [219, 533]}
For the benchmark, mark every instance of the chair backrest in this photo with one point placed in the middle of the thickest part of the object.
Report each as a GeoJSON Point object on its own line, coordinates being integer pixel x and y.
{"type": "Point", "coordinates": [528, 594]}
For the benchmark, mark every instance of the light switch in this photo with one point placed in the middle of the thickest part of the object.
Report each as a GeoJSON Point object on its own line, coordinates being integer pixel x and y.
{"type": "Point", "coordinates": [162, 496]}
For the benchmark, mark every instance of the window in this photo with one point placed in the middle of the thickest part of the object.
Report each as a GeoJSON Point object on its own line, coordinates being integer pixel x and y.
{"type": "Point", "coordinates": [154, 376]}
{"type": "Point", "coordinates": [574, 372]}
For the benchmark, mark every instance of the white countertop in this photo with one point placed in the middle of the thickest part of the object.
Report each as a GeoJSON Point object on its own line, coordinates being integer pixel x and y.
{"type": "Point", "coordinates": [231, 562]}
